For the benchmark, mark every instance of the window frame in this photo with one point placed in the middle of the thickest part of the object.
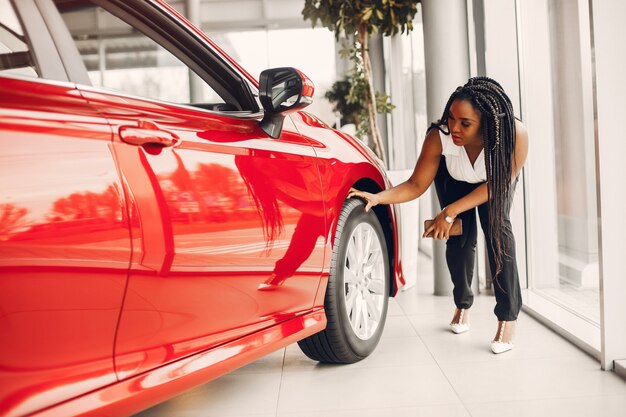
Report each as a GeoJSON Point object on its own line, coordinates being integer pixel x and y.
{"type": "Point", "coordinates": [48, 63]}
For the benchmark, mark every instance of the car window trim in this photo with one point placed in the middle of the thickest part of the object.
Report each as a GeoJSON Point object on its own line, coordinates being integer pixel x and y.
{"type": "Point", "coordinates": [47, 81]}
{"type": "Point", "coordinates": [70, 57]}
{"type": "Point", "coordinates": [47, 60]}
{"type": "Point", "coordinates": [249, 115]}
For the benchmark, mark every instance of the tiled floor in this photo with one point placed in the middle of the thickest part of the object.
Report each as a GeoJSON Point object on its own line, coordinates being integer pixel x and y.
{"type": "Point", "coordinates": [419, 368]}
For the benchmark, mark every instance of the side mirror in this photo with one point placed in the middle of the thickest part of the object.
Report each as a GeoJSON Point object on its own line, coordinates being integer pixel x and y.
{"type": "Point", "coordinates": [281, 91]}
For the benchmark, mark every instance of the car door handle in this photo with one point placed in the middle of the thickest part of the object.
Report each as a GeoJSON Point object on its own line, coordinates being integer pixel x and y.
{"type": "Point", "coordinates": [147, 133]}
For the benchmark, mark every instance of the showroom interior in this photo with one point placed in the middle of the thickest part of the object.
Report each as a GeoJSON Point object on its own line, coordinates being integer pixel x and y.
{"type": "Point", "coordinates": [562, 63]}
{"type": "Point", "coordinates": [556, 59]}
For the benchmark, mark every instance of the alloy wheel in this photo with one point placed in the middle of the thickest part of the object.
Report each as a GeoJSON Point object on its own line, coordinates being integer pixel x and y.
{"type": "Point", "coordinates": [364, 283]}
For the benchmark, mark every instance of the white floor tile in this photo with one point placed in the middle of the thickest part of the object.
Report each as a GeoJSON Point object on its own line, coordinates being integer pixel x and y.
{"type": "Point", "coordinates": [267, 364]}
{"type": "Point", "coordinates": [530, 379]}
{"type": "Point", "coordinates": [603, 406]}
{"type": "Point", "coordinates": [531, 341]}
{"type": "Point", "coordinates": [361, 389]}
{"type": "Point", "coordinates": [228, 396]}
{"type": "Point", "coordinates": [398, 351]}
{"type": "Point", "coordinates": [425, 411]}
{"type": "Point", "coordinates": [413, 302]}
{"type": "Point", "coordinates": [398, 326]}
{"type": "Point", "coordinates": [394, 308]}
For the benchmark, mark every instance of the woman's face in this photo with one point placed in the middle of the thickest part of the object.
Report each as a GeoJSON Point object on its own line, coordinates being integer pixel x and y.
{"type": "Point", "coordinates": [464, 124]}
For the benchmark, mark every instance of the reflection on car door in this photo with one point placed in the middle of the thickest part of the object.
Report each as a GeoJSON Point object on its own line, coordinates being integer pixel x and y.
{"type": "Point", "coordinates": [227, 227]}
{"type": "Point", "coordinates": [64, 246]}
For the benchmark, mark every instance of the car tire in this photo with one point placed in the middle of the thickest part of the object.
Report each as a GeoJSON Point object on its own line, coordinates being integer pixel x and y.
{"type": "Point", "coordinates": [357, 294]}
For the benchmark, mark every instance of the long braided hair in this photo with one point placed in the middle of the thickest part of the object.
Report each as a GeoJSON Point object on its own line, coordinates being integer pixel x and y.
{"type": "Point", "coordinates": [498, 127]}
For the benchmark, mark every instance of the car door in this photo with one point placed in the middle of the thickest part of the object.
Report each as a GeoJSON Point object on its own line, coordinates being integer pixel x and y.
{"type": "Point", "coordinates": [64, 234]}
{"type": "Point", "coordinates": [227, 224]}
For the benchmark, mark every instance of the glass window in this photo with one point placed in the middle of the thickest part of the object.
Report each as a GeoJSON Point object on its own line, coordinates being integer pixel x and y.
{"type": "Point", "coordinates": [576, 216]}
{"type": "Point", "coordinates": [15, 54]}
{"type": "Point", "coordinates": [117, 56]}
{"type": "Point", "coordinates": [257, 50]}
{"type": "Point", "coordinates": [563, 195]}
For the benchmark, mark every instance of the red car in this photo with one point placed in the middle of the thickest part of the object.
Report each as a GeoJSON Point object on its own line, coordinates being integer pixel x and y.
{"type": "Point", "coordinates": [150, 244]}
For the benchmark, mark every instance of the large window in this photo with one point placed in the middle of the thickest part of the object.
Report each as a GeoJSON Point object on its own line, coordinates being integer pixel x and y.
{"type": "Point", "coordinates": [15, 55]}
{"type": "Point", "coordinates": [119, 57]}
{"type": "Point", "coordinates": [312, 51]}
{"type": "Point", "coordinates": [574, 160]}
{"type": "Point", "coordinates": [562, 226]}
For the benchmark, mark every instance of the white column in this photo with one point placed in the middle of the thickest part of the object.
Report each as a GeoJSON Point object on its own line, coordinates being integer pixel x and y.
{"type": "Point", "coordinates": [378, 73]}
{"type": "Point", "coordinates": [608, 30]}
{"type": "Point", "coordinates": [447, 66]}
{"type": "Point", "coordinates": [192, 9]}
{"type": "Point", "coordinates": [500, 62]}
{"type": "Point", "coordinates": [401, 146]}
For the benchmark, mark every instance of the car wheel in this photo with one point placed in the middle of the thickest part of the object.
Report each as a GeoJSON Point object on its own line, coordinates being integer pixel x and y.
{"type": "Point", "coordinates": [357, 292]}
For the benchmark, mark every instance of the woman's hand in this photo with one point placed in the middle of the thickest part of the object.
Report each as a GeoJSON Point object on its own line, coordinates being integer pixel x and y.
{"type": "Point", "coordinates": [371, 199]}
{"type": "Point", "coordinates": [440, 229]}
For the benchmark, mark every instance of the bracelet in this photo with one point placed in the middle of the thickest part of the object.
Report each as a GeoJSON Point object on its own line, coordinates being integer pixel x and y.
{"type": "Point", "coordinates": [449, 219]}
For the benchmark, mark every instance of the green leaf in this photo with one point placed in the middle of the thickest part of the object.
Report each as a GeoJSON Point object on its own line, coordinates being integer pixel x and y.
{"type": "Point", "coordinates": [367, 13]}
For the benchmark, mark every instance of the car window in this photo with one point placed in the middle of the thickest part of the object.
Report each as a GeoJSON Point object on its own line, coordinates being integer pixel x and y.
{"type": "Point", "coordinates": [15, 54]}
{"type": "Point", "coordinates": [120, 57]}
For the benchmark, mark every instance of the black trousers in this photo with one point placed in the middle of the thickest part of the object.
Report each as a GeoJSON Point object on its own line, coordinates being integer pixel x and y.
{"type": "Point", "coordinates": [461, 250]}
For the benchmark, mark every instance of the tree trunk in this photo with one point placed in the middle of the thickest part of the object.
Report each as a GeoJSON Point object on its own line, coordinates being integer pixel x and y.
{"type": "Point", "coordinates": [370, 101]}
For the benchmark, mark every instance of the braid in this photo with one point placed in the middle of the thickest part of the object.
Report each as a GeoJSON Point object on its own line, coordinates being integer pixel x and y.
{"type": "Point", "coordinates": [498, 127]}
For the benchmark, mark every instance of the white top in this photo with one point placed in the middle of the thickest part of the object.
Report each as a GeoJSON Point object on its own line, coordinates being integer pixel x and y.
{"type": "Point", "coordinates": [458, 162]}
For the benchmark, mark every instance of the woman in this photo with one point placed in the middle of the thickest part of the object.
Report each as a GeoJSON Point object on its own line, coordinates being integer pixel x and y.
{"type": "Point", "coordinates": [474, 154]}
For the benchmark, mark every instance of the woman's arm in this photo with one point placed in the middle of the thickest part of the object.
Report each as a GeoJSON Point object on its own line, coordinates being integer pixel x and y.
{"type": "Point", "coordinates": [423, 175]}
{"type": "Point", "coordinates": [479, 196]}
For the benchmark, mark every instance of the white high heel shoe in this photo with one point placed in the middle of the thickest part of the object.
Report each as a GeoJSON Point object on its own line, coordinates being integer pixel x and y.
{"type": "Point", "coordinates": [498, 346]}
{"type": "Point", "coordinates": [459, 327]}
